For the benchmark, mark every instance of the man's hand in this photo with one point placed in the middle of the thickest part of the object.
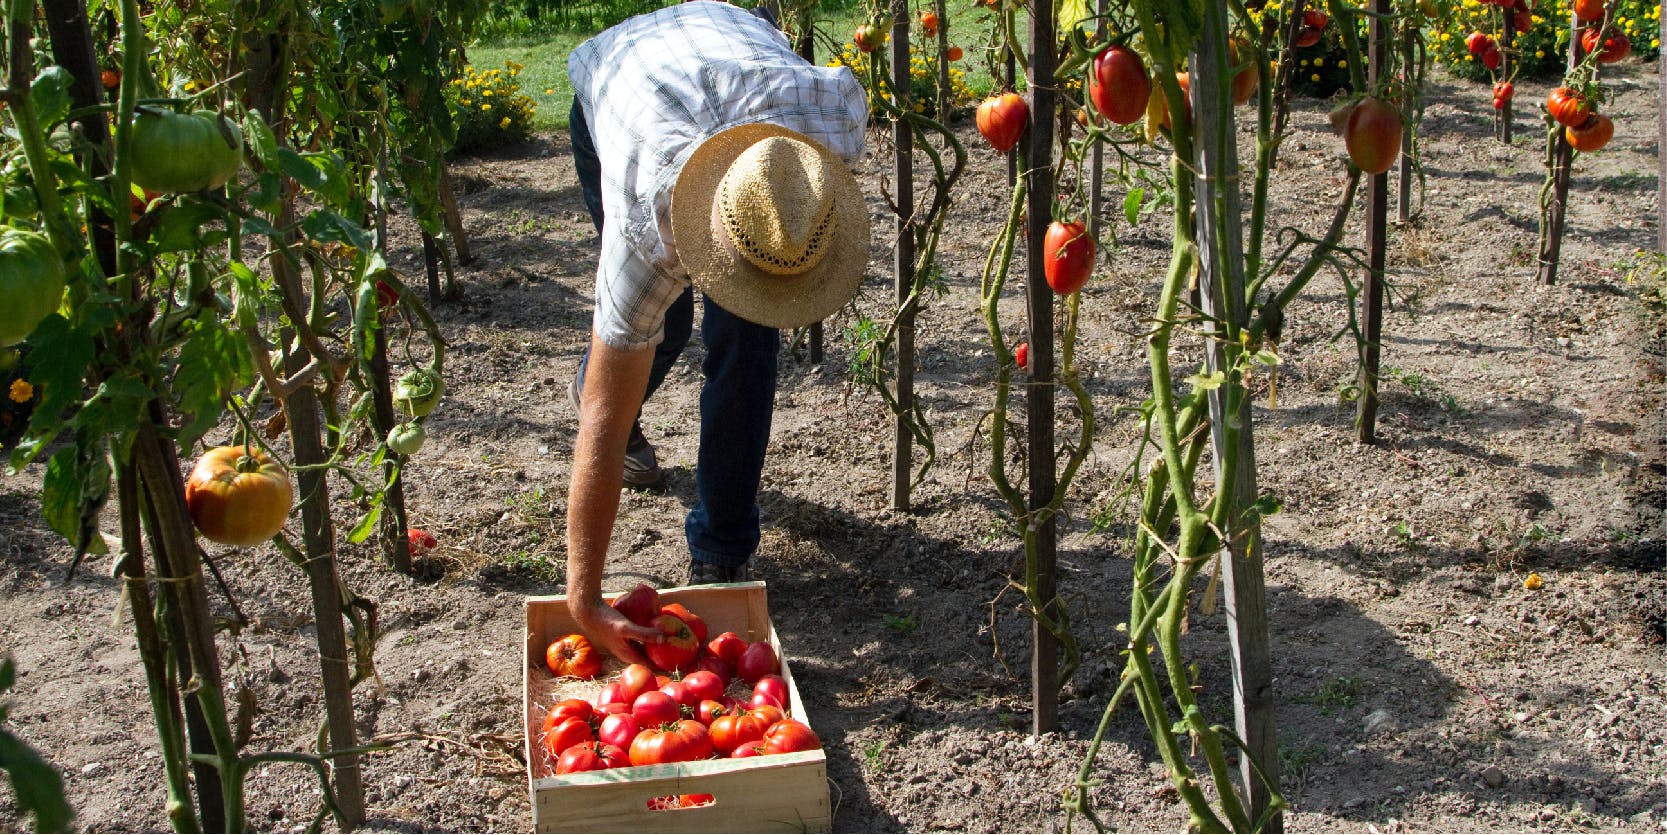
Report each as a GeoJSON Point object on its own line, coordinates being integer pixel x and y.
{"type": "Point", "coordinates": [604, 625]}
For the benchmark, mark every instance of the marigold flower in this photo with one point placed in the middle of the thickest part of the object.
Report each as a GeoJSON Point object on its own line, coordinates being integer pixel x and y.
{"type": "Point", "coordinates": [21, 391]}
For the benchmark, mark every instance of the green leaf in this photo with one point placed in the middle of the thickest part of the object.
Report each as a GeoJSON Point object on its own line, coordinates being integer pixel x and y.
{"type": "Point", "coordinates": [323, 174]}
{"type": "Point", "coordinates": [60, 357]}
{"type": "Point", "coordinates": [1131, 204]}
{"type": "Point", "coordinates": [213, 363]}
{"type": "Point", "coordinates": [1202, 382]}
{"type": "Point", "coordinates": [49, 95]}
{"type": "Point", "coordinates": [36, 783]}
{"type": "Point", "coordinates": [1267, 505]}
{"type": "Point", "coordinates": [1266, 357]}
{"type": "Point", "coordinates": [61, 493]}
{"type": "Point", "coordinates": [179, 229]}
{"type": "Point", "coordinates": [366, 525]}
{"type": "Point", "coordinates": [325, 225]}
{"type": "Point", "coordinates": [114, 409]}
{"type": "Point", "coordinates": [261, 140]}
{"type": "Point", "coordinates": [1070, 14]}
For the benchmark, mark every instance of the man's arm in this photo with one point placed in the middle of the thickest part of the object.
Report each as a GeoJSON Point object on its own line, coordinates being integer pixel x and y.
{"type": "Point", "coordinates": [614, 384]}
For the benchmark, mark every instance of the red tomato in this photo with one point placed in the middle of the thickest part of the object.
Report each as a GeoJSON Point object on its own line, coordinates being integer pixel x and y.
{"type": "Point", "coordinates": [790, 735]}
{"type": "Point", "coordinates": [1568, 107]}
{"type": "Point", "coordinates": [591, 756]}
{"type": "Point", "coordinates": [568, 709]}
{"type": "Point", "coordinates": [735, 730]}
{"type": "Point", "coordinates": [1492, 59]}
{"type": "Point", "coordinates": [715, 665]}
{"type": "Point", "coordinates": [1307, 36]}
{"type": "Point", "coordinates": [655, 708]}
{"type": "Point", "coordinates": [755, 749]}
{"type": "Point", "coordinates": [1021, 354]}
{"type": "Point", "coordinates": [728, 646]}
{"type": "Point", "coordinates": [758, 660]}
{"type": "Point", "coordinates": [710, 710]}
{"type": "Point", "coordinates": [572, 656]}
{"type": "Point", "coordinates": [1588, 10]}
{"type": "Point", "coordinates": [679, 692]}
{"type": "Point", "coordinates": [689, 801]}
{"type": "Point", "coordinates": [1478, 43]}
{"type": "Point", "coordinates": [609, 708]}
{"type": "Point", "coordinates": [929, 22]}
{"type": "Point", "coordinates": [677, 650]}
{"type": "Point", "coordinates": [111, 79]}
{"type": "Point", "coordinates": [1002, 119]}
{"type": "Point", "coordinates": [703, 685]}
{"type": "Point", "coordinates": [238, 495]}
{"type": "Point", "coordinates": [868, 37]}
{"type": "Point", "coordinates": [683, 741]}
{"type": "Point", "coordinates": [1522, 20]}
{"type": "Point", "coordinates": [768, 714]}
{"type": "Point", "coordinates": [1504, 91]}
{"type": "Point", "coordinates": [1611, 44]}
{"type": "Point", "coordinates": [612, 692]}
{"type": "Point", "coordinates": [639, 605]}
{"type": "Point", "coordinates": [421, 541]}
{"type": "Point", "coordinates": [1372, 135]}
{"type": "Point", "coordinates": [1246, 79]}
{"type": "Point", "coordinates": [696, 623]}
{"type": "Point", "coordinates": [1315, 19]}
{"type": "Point", "coordinates": [618, 729]}
{"type": "Point", "coordinates": [773, 686]}
{"type": "Point", "coordinates": [954, 53]}
{"type": "Point", "coordinates": [1593, 135]}
{"type": "Point", "coordinates": [566, 734]}
{"type": "Point", "coordinates": [1069, 256]}
{"type": "Point", "coordinates": [634, 681]}
{"type": "Point", "coordinates": [1118, 85]}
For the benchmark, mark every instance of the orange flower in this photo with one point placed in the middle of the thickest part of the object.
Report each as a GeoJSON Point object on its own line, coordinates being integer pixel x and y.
{"type": "Point", "coordinates": [21, 391]}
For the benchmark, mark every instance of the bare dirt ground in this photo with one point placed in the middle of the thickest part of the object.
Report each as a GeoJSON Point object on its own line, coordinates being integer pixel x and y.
{"type": "Point", "coordinates": [1421, 686]}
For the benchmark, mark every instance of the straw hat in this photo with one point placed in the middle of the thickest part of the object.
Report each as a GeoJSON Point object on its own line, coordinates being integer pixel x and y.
{"type": "Point", "coordinates": [771, 225]}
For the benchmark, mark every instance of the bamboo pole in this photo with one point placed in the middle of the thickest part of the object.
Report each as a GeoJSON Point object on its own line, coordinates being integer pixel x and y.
{"type": "Point", "coordinates": [903, 264]}
{"type": "Point", "coordinates": [1039, 397]}
{"type": "Point", "coordinates": [396, 545]}
{"type": "Point", "coordinates": [1562, 167]}
{"type": "Point", "coordinates": [1377, 216]}
{"type": "Point", "coordinates": [1403, 199]}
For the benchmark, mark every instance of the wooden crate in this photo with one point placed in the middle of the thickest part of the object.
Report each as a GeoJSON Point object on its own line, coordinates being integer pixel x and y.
{"type": "Point", "coordinates": [780, 793]}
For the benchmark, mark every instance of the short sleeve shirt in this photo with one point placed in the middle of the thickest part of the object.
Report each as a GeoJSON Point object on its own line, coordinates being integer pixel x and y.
{"type": "Point", "coordinates": [653, 88]}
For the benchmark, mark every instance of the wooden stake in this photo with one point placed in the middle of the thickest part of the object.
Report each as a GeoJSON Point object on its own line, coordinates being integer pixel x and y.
{"type": "Point", "coordinates": [903, 265]}
{"type": "Point", "coordinates": [1403, 202]}
{"type": "Point", "coordinates": [1039, 406]}
{"type": "Point", "coordinates": [1562, 166]}
{"type": "Point", "coordinates": [1377, 217]}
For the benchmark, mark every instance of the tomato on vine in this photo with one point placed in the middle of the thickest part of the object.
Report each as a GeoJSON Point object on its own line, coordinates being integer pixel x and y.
{"type": "Point", "coordinates": [1372, 135]}
{"type": "Point", "coordinates": [1118, 85]}
{"type": "Point", "coordinates": [1592, 134]}
{"type": "Point", "coordinates": [1068, 254]}
{"type": "Point", "coordinates": [1609, 44]}
{"type": "Point", "coordinates": [238, 495]}
{"type": "Point", "coordinates": [184, 152]}
{"type": "Point", "coordinates": [1568, 107]}
{"type": "Point", "coordinates": [418, 391]}
{"type": "Point", "coordinates": [32, 277]}
{"type": "Point", "coordinates": [1002, 119]}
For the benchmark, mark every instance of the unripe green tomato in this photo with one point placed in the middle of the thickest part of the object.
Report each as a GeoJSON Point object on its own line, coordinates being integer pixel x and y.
{"type": "Point", "coordinates": [407, 438]}
{"type": "Point", "coordinates": [418, 392]}
{"type": "Point", "coordinates": [184, 152]}
{"type": "Point", "coordinates": [31, 282]}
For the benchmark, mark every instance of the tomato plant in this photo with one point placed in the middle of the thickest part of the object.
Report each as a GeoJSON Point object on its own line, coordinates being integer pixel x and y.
{"type": "Point", "coordinates": [32, 278]}
{"type": "Point", "coordinates": [573, 656]}
{"type": "Point", "coordinates": [1118, 85]}
{"type": "Point", "coordinates": [1002, 119]}
{"type": "Point", "coordinates": [1069, 256]}
{"type": "Point", "coordinates": [238, 495]}
{"type": "Point", "coordinates": [671, 742]}
{"type": "Point", "coordinates": [1372, 135]}
{"type": "Point", "coordinates": [184, 152]}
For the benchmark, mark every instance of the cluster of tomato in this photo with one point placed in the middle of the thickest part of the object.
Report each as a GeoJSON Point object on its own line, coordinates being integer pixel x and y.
{"type": "Point", "coordinates": [1484, 47]}
{"type": "Point", "coordinates": [1313, 27]}
{"type": "Point", "coordinates": [683, 713]}
{"type": "Point", "coordinates": [1584, 127]}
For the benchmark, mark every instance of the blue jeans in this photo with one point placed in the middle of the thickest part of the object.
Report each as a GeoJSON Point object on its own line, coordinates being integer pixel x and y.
{"type": "Point", "coordinates": [736, 401]}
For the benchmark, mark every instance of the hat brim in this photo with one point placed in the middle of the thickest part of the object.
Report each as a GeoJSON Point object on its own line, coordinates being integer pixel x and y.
{"type": "Point", "coordinates": [733, 282]}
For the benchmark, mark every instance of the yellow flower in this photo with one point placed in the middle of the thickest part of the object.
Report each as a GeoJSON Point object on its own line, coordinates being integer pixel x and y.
{"type": "Point", "coordinates": [21, 391]}
{"type": "Point", "coordinates": [1539, 53]}
{"type": "Point", "coordinates": [549, 91]}
{"type": "Point", "coordinates": [503, 124]}
{"type": "Point", "coordinates": [1343, 63]}
{"type": "Point", "coordinates": [485, 107]}
{"type": "Point", "coordinates": [486, 92]}
{"type": "Point", "coordinates": [1315, 77]}
{"type": "Point", "coordinates": [464, 102]}
{"type": "Point", "coordinates": [1533, 582]}
{"type": "Point", "coordinates": [1319, 62]}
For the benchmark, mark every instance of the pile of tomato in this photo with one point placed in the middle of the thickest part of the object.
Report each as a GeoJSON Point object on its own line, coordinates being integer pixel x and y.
{"type": "Point", "coordinates": [684, 711]}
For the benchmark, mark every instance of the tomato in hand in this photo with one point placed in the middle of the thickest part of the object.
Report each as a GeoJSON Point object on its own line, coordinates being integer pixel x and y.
{"type": "Point", "coordinates": [572, 656]}
{"type": "Point", "coordinates": [1118, 85]}
{"type": "Point", "coordinates": [238, 495]}
{"type": "Point", "coordinates": [1068, 254]}
{"type": "Point", "coordinates": [1372, 135]}
{"type": "Point", "coordinates": [671, 742]}
{"type": "Point", "coordinates": [677, 649]}
{"type": "Point", "coordinates": [639, 605]}
{"type": "Point", "coordinates": [790, 735]}
{"type": "Point", "coordinates": [1568, 107]}
{"type": "Point", "coordinates": [591, 756]}
{"type": "Point", "coordinates": [1591, 136]}
{"type": "Point", "coordinates": [1002, 119]}
{"type": "Point", "coordinates": [757, 661]}
{"type": "Point", "coordinates": [697, 624]}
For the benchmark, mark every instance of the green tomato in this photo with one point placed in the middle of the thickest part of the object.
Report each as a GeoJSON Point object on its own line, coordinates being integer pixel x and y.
{"type": "Point", "coordinates": [418, 392]}
{"type": "Point", "coordinates": [407, 438]}
{"type": "Point", "coordinates": [32, 279]}
{"type": "Point", "coordinates": [183, 152]}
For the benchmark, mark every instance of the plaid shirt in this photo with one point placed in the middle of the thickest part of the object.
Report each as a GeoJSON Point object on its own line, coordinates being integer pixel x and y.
{"type": "Point", "coordinates": [656, 86]}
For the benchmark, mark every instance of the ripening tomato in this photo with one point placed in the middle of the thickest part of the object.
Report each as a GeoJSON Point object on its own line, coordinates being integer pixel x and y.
{"type": "Point", "coordinates": [758, 660]}
{"type": "Point", "coordinates": [634, 681]}
{"type": "Point", "coordinates": [954, 53]}
{"type": "Point", "coordinates": [1373, 135]}
{"type": "Point", "coordinates": [1504, 90]}
{"type": "Point", "coordinates": [697, 624]}
{"type": "Point", "coordinates": [1315, 19]}
{"type": "Point", "coordinates": [1493, 59]}
{"type": "Point", "coordinates": [1478, 43]}
{"type": "Point", "coordinates": [728, 646]}
{"type": "Point", "coordinates": [568, 709]}
{"type": "Point", "coordinates": [1118, 85]}
{"type": "Point", "coordinates": [591, 756]}
{"type": "Point", "coordinates": [1021, 354]}
{"type": "Point", "coordinates": [111, 79]}
{"type": "Point", "coordinates": [656, 708]}
{"type": "Point", "coordinates": [572, 656]}
{"type": "Point", "coordinates": [671, 742]}
{"type": "Point", "coordinates": [773, 687]}
{"type": "Point", "coordinates": [238, 495]}
{"type": "Point", "coordinates": [1068, 254]}
{"type": "Point", "coordinates": [1611, 44]}
{"type": "Point", "coordinates": [1568, 107]}
{"type": "Point", "coordinates": [1246, 79]}
{"type": "Point", "coordinates": [929, 22]}
{"type": "Point", "coordinates": [868, 37]}
{"type": "Point", "coordinates": [703, 685]}
{"type": "Point", "coordinates": [1307, 36]}
{"type": "Point", "coordinates": [639, 605]}
{"type": "Point", "coordinates": [618, 729]}
{"type": "Point", "coordinates": [675, 651]}
{"type": "Point", "coordinates": [733, 731]}
{"type": "Point", "coordinates": [790, 735]}
{"type": "Point", "coordinates": [566, 734]}
{"type": "Point", "coordinates": [1592, 135]}
{"type": "Point", "coordinates": [1588, 10]}
{"type": "Point", "coordinates": [1002, 119]}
